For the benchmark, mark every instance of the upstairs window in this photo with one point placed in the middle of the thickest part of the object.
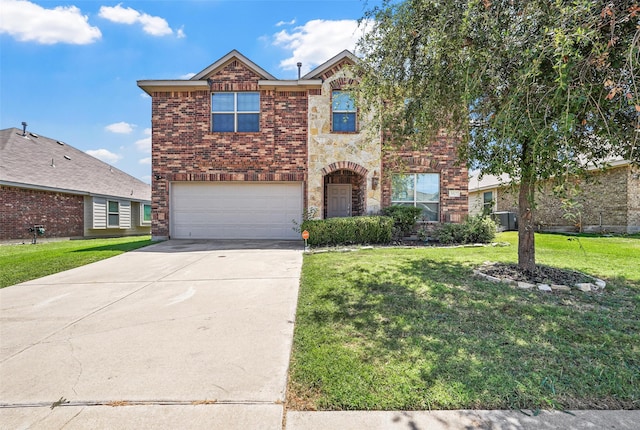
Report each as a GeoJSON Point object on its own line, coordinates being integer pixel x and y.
{"type": "Point", "coordinates": [235, 112]}
{"type": "Point", "coordinates": [421, 190]}
{"type": "Point", "coordinates": [343, 111]}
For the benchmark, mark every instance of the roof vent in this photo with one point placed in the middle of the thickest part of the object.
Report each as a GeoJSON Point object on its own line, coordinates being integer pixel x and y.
{"type": "Point", "coordinates": [34, 135]}
{"type": "Point", "coordinates": [299, 68]}
{"type": "Point", "coordinates": [59, 143]}
{"type": "Point", "coordinates": [67, 157]}
{"type": "Point", "coordinates": [52, 163]}
{"type": "Point", "coordinates": [24, 129]}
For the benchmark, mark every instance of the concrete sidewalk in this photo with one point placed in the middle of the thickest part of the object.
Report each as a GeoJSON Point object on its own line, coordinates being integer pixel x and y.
{"type": "Point", "coordinates": [187, 334]}
{"type": "Point", "coordinates": [464, 420]}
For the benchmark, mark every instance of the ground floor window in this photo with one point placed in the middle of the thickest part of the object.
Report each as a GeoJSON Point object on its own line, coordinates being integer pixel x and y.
{"type": "Point", "coordinates": [145, 214]}
{"type": "Point", "coordinates": [420, 190]}
{"type": "Point", "coordinates": [113, 214]}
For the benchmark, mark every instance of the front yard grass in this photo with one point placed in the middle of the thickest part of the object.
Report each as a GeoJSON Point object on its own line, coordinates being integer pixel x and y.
{"type": "Point", "coordinates": [21, 263]}
{"type": "Point", "coordinates": [412, 329]}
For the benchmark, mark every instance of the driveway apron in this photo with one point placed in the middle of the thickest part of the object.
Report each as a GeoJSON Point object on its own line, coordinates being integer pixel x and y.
{"type": "Point", "coordinates": [191, 334]}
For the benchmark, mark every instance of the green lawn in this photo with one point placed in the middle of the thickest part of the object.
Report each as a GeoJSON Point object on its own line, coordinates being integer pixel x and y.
{"type": "Point", "coordinates": [20, 263]}
{"type": "Point", "coordinates": [406, 329]}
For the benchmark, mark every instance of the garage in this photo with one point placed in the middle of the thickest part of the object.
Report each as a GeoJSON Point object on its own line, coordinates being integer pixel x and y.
{"type": "Point", "coordinates": [235, 210]}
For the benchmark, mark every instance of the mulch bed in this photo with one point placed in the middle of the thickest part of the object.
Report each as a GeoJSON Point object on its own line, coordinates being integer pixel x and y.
{"type": "Point", "coordinates": [541, 275]}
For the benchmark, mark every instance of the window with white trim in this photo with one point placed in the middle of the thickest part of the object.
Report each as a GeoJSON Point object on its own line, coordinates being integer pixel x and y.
{"type": "Point", "coordinates": [113, 213]}
{"type": "Point", "coordinates": [235, 112]}
{"type": "Point", "coordinates": [145, 214]}
{"type": "Point", "coordinates": [343, 111]}
{"type": "Point", "coordinates": [420, 190]}
{"type": "Point", "coordinates": [487, 203]}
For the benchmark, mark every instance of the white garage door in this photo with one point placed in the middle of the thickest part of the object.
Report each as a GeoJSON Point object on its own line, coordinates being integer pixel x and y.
{"type": "Point", "coordinates": [235, 210]}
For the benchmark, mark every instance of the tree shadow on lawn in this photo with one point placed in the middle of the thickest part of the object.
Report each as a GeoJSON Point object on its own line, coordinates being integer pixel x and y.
{"type": "Point", "coordinates": [421, 334]}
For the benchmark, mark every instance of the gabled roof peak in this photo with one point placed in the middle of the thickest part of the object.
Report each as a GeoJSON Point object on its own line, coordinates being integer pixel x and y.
{"type": "Point", "coordinates": [346, 54]}
{"type": "Point", "coordinates": [222, 61]}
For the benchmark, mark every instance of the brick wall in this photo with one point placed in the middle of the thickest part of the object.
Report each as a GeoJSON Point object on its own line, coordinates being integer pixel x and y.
{"type": "Point", "coordinates": [60, 214]}
{"type": "Point", "coordinates": [603, 196]}
{"type": "Point", "coordinates": [184, 148]}
{"type": "Point", "coordinates": [439, 157]}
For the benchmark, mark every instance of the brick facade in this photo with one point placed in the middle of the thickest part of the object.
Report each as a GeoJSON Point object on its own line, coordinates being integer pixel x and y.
{"type": "Point", "coordinates": [609, 202]}
{"type": "Point", "coordinates": [61, 214]}
{"type": "Point", "coordinates": [295, 142]}
{"type": "Point", "coordinates": [185, 149]}
{"type": "Point", "coordinates": [438, 157]}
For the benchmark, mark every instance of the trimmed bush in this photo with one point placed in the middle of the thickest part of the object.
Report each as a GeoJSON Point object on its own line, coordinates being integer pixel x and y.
{"type": "Point", "coordinates": [345, 231]}
{"type": "Point", "coordinates": [476, 229]}
{"type": "Point", "coordinates": [404, 219]}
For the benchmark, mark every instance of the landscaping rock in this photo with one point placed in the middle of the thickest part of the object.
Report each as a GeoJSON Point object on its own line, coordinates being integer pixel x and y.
{"type": "Point", "coordinates": [525, 285]}
{"type": "Point", "coordinates": [544, 287]}
{"type": "Point", "coordinates": [585, 286]}
{"type": "Point", "coordinates": [600, 283]}
{"type": "Point", "coordinates": [560, 287]}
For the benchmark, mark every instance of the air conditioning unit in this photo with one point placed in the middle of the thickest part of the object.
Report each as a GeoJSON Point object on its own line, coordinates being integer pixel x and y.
{"type": "Point", "coordinates": [506, 220]}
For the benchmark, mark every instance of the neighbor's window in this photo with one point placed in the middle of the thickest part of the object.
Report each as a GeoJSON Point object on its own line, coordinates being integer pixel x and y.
{"type": "Point", "coordinates": [145, 214]}
{"type": "Point", "coordinates": [113, 214]}
{"type": "Point", "coordinates": [420, 190]}
{"type": "Point", "coordinates": [488, 202]}
{"type": "Point", "coordinates": [343, 110]}
{"type": "Point", "coordinates": [232, 112]}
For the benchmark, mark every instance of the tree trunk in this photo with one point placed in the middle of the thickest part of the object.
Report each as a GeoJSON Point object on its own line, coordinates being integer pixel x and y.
{"type": "Point", "coordinates": [526, 239]}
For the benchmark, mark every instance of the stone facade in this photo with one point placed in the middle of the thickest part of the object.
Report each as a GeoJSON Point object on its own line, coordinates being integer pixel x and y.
{"type": "Point", "coordinates": [330, 152]}
{"type": "Point", "coordinates": [608, 201]}
{"type": "Point", "coordinates": [61, 214]}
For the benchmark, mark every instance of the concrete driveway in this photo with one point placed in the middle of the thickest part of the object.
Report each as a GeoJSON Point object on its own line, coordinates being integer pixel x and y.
{"type": "Point", "coordinates": [181, 334]}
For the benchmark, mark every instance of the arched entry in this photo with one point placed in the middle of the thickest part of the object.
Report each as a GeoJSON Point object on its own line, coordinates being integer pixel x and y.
{"type": "Point", "coordinates": [345, 190]}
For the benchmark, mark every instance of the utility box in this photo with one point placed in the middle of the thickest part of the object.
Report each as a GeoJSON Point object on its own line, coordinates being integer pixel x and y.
{"type": "Point", "coordinates": [507, 221]}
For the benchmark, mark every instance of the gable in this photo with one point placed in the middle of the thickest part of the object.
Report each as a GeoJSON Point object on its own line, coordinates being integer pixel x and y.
{"type": "Point", "coordinates": [234, 76]}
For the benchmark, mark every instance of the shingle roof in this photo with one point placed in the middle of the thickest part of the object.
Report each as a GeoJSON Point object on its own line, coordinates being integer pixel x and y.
{"type": "Point", "coordinates": [40, 162]}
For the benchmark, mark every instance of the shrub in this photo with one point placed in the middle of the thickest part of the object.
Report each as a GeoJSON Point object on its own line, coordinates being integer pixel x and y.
{"type": "Point", "coordinates": [404, 218]}
{"type": "Point", "coordinates": [344, 231]}
{"type": "Point", "coordinates": [476, 229]}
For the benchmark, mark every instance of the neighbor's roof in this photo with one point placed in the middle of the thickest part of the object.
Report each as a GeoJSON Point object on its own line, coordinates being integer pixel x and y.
{"type": "Point", "coordinates": [38, 162]}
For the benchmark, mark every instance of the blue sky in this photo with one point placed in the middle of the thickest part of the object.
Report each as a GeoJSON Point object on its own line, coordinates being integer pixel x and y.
{"type": "Point", "coordinates": [69, 68]}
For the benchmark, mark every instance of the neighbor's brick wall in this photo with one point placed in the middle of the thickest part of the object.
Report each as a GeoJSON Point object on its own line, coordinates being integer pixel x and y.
{"type": "Point", "coordinates": [603, 198]}
{"type": "Point", "coordinates": [60, 214]}
{"type": "Point", "coordinates": [633, 198]}
{"type": "Point", "coordinates": [439, 157]}
{"type": "Point", "coordinates": [184, 148]}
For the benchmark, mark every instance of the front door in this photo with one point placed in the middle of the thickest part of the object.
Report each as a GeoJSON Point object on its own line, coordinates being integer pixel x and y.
{"type": "Point", "coordinates": [338, 200]}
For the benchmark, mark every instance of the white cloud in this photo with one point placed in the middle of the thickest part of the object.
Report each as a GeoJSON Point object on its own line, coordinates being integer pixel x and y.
{"type": "Point", "coordinates": [120, 127]}
{"type": "Point", "coordinates": [153, 25]}
{"type": "Point", "coordinates": [281, 23]}
{"type": "Point", "coordinates": [146, 160]}
{"type": "Point", "coordinates": [317, 41]}
{"type": "Point", "coordinates": [104, 155]}
{"type": "Point", "coordinates": [180, 33]}
{"type": "Point", "coordinates": [144, 145]}
{"type": "Point", "coordinates": [29, 22]}
{"type": "Point", "coordinates": [145, 96]}
{"type": "Point", "coordinates": [187, 76]}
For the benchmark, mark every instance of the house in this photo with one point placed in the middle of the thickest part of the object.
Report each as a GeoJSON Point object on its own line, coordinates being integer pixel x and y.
{"type": "Point", "coordinates": [238, 153]}
{"type": "Point", "coordinates": [71, 194]}
{"type": "Point", "coordinates": [607, 201]}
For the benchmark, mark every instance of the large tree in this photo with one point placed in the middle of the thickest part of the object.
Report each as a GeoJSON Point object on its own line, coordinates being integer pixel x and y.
{"type": "Point", "coordinates": [537, 89]}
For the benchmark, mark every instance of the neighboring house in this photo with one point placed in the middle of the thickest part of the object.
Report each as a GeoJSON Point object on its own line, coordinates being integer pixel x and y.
{"type": "Point", "coordinates": [237, 153]}
{"type": "Point", "coordinates": [607, 201]}
{"type": "Point", "coordinates": [71, 194]}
